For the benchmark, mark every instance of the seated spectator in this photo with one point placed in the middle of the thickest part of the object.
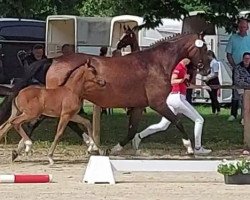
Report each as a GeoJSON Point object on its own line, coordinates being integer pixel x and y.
{"type": "Point", "coordinates": [242, 77]}
{"type": "Point", "coordinates": [36, 55]}
{"type": "Point", "coordinates": [103, 51]}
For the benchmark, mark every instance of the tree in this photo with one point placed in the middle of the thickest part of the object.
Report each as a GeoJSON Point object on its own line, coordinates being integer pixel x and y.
{"type": "Point", "coordinates": [220, 12]}
{"type": "Point", "coordinates": [38, 9]}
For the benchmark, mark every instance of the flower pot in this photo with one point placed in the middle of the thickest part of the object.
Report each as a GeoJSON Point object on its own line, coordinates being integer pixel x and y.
{"type": "Point", "coordinates": [237, 179]}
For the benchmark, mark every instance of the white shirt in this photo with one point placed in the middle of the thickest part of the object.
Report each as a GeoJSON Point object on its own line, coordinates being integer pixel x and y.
{"type": "Point", "coordinates": [214, 65]}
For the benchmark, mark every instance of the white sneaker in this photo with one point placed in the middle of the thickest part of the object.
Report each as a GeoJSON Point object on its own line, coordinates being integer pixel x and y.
{"type": "Point", "coordinates": [231, 118]}
{"type": "Point", "coordinates": [202, 151]}
{"type": "Point", "coordinates": [136, 141]}
{"type": "Point", "coordinates": [242, 121]}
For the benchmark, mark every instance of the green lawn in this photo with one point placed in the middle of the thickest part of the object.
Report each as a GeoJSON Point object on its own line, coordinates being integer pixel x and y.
{"type": "Point", "coordinates": [218, 132]}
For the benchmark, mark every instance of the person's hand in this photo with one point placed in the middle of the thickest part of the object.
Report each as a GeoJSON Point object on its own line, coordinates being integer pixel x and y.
{"type": "Point", "coordinates": [187, 77]}
{"type": "Point", "coordinates": [206, 87]}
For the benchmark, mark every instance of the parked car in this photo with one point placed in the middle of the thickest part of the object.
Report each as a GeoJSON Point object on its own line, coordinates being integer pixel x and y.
{"type": "Point", "coordinates": [17, 36]}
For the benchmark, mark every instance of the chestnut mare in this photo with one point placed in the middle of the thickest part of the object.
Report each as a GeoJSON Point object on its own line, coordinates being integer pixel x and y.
{"type": "Point", "coordinates": [137, 80]}
{"type": "Point", "coordinates": [63, 102]}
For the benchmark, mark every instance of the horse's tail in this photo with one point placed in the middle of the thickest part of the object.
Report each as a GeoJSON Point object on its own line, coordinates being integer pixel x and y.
{"type": "Point", "coordinates": [5, 91]}
{"type": "Point", "coordinates": [6, 126]}
{"type": "Point", "coordinates": [5, 110]}
{"type": "Point", "coordinates": [5, 107]}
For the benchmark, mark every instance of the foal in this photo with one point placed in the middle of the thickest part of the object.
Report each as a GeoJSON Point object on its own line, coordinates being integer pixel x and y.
{"type": "Point", "coordinates": [63, 102]}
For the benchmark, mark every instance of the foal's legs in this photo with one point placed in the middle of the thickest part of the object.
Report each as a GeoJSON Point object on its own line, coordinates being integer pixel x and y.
{"type": "Point", "coordinates": [86, 123]}
{"type": "Point", "coordinates": [64, 119]}
{"type": "Point", "coordinates": [134, 119]}
{"type": "Point", "coordinates": [17, 123]}
{"type": "Point", "coordinates": [30, 127]}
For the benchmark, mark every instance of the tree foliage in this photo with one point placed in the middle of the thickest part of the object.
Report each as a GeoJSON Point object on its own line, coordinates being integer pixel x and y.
{"type": "Point", "coordinates": [38, 9]}
{"type": "Point", "coordinates": [220, 12]}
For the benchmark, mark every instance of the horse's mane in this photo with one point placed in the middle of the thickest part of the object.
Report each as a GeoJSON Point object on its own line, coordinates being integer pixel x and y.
{"type": "Point", "coordinates": [68, 75]}
{"type": "Point", "coordinates": [168, 39]}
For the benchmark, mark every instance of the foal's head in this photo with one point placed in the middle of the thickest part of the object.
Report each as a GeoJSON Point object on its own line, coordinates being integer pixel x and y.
{"type": "Point", "coordinates": [83, 76]}
{"type": "Point", "coordinates": [88, 77]}
{"type": "Point", "coordinates": [128, 38]}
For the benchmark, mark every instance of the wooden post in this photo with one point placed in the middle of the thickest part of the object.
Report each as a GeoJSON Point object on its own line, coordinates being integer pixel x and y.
{"type": "Point", "coordinates": [246, 101]}
{"type": "Point", "coordinates": [96, 123]}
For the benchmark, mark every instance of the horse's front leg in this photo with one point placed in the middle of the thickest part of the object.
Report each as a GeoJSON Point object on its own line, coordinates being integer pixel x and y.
{"type": "Point", "coordinates": [60, 129]}
{"type": "Point", "coordinates": [134, 119]}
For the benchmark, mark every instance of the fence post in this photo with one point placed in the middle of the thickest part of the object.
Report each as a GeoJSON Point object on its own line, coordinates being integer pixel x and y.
{"type": "Point", "coordinates": [246, 101]}
{"type": "Point", "coordinates": [96, 123]}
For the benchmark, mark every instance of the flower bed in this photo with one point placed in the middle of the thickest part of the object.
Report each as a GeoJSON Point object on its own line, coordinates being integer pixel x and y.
{"type": "Point", "coordinates": [235, 171]}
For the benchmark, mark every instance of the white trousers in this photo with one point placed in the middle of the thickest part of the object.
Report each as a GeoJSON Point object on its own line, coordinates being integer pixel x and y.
{"type": "Point", "coordinates": [178, 104]}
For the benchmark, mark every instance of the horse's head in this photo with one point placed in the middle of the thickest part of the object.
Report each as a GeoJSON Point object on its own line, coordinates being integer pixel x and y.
{"type": "Point", "coordinates": [90, 76]}
{"type": "Point", "coordinates": [197, 53]}
{"type": "Point", "coordinates": [128, 38]}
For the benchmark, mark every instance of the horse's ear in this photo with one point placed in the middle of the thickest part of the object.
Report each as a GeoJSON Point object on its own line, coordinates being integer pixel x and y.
{"type": "Point", "coordinates": [202, 35]}
{"type": "Point", "coordinates": [124, 28]}
{"type": "Point", "coordinates": [88, 62]}
{"type": "Point", "coordinates": [91, 67]}
{"type": "Point", "coordinates": [128, 27]}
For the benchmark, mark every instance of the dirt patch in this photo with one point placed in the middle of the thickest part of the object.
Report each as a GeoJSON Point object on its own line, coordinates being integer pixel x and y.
{"type": "Point", "coordinates": [68, 172]}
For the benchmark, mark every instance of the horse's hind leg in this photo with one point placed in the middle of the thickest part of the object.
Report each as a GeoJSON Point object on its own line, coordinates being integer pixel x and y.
{"type": "Point", "coordinates": [29, 129]}
{"type": "Point", "coordinates": [165, 111]}
{"type": "Point", "coordinates": [134, 119]}
{"type": "Point", "coordinates": [17, 123]}
{"type": "Point", "coordinates": [88, 138]}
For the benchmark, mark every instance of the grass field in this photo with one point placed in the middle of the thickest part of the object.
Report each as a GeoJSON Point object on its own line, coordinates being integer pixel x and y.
{"type": "Point", "coordinates": [218, 134]}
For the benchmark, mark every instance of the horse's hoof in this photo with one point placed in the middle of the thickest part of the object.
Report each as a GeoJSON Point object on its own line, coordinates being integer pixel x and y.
{"type": "Point", "coordinates": [14, 155]}
{"type": "Point", "coordinates": [51, 161]}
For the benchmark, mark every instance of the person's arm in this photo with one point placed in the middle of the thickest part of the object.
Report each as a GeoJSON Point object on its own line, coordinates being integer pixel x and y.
{"type": "Point", "coordinates": [204, 87]}
{"type": "Point", "coordinates": [229, 51]}
{"type": "Point", "coordinates": [176, 80]}
{"type": "Point", "coordinates": [231, 60]}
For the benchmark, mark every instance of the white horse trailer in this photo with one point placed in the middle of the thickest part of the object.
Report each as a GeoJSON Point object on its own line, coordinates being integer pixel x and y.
{"type": "Point", "coordinates": [88, 34]}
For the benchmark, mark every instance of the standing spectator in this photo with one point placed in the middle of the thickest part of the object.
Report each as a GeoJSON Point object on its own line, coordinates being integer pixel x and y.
{"type": "Point", "coordinates": [116, 53]}
{"type": "Point", "coordinates": [242, 77]}
{"type": "Point", "coordinates": [213, 79]}
{"type": "Point", "coordinates": [237, 45]}
{"type": "Point", "coordinates": [68, 49]}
